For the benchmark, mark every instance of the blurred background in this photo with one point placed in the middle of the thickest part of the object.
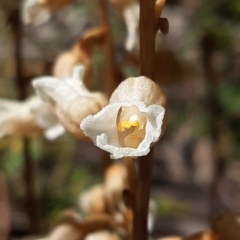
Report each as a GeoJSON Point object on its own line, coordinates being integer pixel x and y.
{"type": "Point", "coordinates": [196, 172]}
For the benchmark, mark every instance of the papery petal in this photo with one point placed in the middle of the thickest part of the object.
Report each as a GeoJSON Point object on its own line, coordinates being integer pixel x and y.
{"type": "Point", "coordinates": [139, 89]}
{"type": "Point", "coordinates": [54, 132]}
{"type": "Point", "coordinates": [105, 135]}
{"type": "Point", "coordinates": [102, 235]}
{"type": "Point", "coordinates": [26, 118]}
{"type": "Point", "coordinates": [131, 17]}
{"type": "Point", "coordinates": [70, 99]}
{"type": "Point", "coordinates": [35, 13]}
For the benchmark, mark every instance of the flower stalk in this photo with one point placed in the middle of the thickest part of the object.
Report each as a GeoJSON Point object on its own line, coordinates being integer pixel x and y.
{"type": "Point", "coordinates": [28, 176]}
{"type": "Point", "coordinates": [147, 46]}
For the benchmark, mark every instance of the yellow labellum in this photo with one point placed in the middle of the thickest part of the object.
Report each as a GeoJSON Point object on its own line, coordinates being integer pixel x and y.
{"type": "Point", "coordinates": [132, 122]}
{"type": "Point", "coordinates": [132, 140]}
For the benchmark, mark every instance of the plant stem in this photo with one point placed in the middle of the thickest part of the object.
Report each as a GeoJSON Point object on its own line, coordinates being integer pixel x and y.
{"type": "Point", "coordinates": [140, 209]}
{"type": "Point", "coordinates": [22, 87]}
{"type": "Point", "coordinates": [132, 177]}
{"type": "Point", "coordinates": [4, 209]}
{"type": "Point", "coordinates": [147, 46]}
{"type": "Point", "coordinates": [147, 37]}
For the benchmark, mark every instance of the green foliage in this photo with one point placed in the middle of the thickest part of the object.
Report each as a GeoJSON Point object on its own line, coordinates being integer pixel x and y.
{"type": "Point", "coordinates": [167, 206]}
{"type": "Point", "coordinates": [229, 97]}
{"type": "Point", "coordinates": [50, 206]}
{"type": "Point", "coordinates": [219, 19]}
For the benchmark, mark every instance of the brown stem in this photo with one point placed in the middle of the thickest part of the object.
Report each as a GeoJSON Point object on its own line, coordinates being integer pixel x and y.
{"type": "Point", "coordinates": [4, 209]}
{"type": "Point", "coordinates": [29, 184]}
{"type": "Point", "coordinates": [147, 46]}
{"type": "Point", "coordinates": [140, 210]}
{"type": "Point", "coordinates": [132, 177]}
{"type": "Point", "coordinates": [147, 37]}
{"type": "Point", "coordinates": [22, 86]}
{"type": "Point", "coordinates": [110, 76]}
{"type": "Point", "coordinates": [158, 10]}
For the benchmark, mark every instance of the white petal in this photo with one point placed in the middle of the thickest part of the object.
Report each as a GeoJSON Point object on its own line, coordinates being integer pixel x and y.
{"type": "Point", "coordinates": [54, 132]}
{"type": "Point", "coordinates": [70, 99]}
{"type": "Point", "coordinates": [35, 13]}
{"type": "Point", "coordinates": [102, 129]}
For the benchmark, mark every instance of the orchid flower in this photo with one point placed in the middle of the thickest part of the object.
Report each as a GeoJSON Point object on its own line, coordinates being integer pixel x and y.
{"type": "Point", "coordinates": [70, 99]}
{"type": "Point", "coordinates": [131, 17]}
{"type": "Point", "coordinates": [131, 122]}
{"type": "Point", "coordinates": [130, 11]}
{"type": "Point", "coordinates": [27, 118]}
{"type": "Point", "coordinates": [102, 235]}
{"type": "Point", "coordinates": [37, 12]}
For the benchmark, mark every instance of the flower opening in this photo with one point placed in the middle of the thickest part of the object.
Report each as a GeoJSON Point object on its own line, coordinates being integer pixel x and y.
{"type": "Point", "coordinates": [133, 120]}
{"type": "Point", "coordinates": [131, 126]}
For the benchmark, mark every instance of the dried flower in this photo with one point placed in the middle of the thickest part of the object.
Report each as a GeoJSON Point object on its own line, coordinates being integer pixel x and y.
{"type": "Point", "coordinates": [79, 54]}
{"type": "Point", "coordinates": [131, 15]}
{"type": "Point", "coordinates": [115, 181]}
{"type": "Point", "coordinates": [92, 201]}
{"type": "Point", "coordinates": [102, 235]}
{"type": "Point", "coordinates": [28, 118]}
{"type": "Point", "coordinates": [70, 99]}
{"type": "Point", "coordinates": [37, 12]}
{"type": "Point", "coordinates": [64, 231]}
{"type": "Point", "coordinates": [133, 120]}
{"type": "Point", "coordinates": [170, 238]}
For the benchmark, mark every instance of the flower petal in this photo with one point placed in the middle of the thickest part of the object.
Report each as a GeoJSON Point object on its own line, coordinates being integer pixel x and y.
{"type": "Point", "coordinates": [102, 129]}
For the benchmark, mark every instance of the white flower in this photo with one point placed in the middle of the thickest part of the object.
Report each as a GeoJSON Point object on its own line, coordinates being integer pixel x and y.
{"type": "Point", "coordinates": [27, 118]}
{"type": "Point", "coordinates": [70, 99]}
{"type": "Point", "coordinates": [131, 17]}
{"type": "Point", "coordinates": [132, 121]}
{"type": "Point", "coordinates": [102, 235]}
{"type": "Point", "coordinates": [37, 12]}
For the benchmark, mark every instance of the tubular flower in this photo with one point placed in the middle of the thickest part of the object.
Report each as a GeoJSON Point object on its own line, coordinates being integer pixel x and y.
{"type": "Point", "coordinates": [134, 119]}
{"type": "Point", "coordinates": [70, 99]}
